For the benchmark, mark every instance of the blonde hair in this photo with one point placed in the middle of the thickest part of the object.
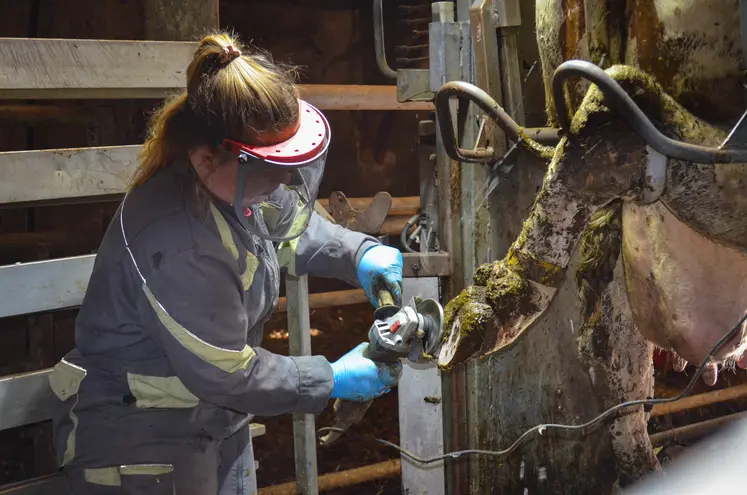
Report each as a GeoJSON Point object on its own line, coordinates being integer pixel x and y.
{"type": "Point", "coordinates": [229, 93]}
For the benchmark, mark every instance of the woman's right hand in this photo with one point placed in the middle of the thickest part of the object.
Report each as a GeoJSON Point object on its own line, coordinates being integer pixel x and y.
{"type": "Point", "coordinates": [358, 379]}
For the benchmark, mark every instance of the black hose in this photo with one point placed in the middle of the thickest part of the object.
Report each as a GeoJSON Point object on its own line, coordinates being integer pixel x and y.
{"type": "Point", "coordinates": [634, 116]}
{"type": "Point", "coordinates": [403, 234]}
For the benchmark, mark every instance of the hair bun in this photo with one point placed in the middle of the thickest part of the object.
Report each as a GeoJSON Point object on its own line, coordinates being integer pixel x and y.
{"type": "Point", "coordinates": [229, 54]}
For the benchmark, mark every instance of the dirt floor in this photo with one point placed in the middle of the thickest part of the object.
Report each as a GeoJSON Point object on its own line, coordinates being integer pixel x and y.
{"type": "Point", "coordinates": [334, 332]}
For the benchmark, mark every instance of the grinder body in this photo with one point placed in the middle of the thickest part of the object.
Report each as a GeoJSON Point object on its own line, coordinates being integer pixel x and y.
{"type": "Point", "coordinates": [412, 332]}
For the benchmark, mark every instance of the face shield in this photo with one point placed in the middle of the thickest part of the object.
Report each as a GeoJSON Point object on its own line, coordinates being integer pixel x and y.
{"type": "Point", "coordinates": [283, 213]}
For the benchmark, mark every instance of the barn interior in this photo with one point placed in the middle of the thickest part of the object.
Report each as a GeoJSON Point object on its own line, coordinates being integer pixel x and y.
{"type": "Point", "coordinates": [377, 146]}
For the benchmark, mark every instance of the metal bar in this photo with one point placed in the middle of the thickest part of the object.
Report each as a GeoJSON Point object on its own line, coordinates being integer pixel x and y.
{"type": "Point", "coordinates": [299, 343]}
{"type": "Point", "coordinates": [445, 40]}
{"type": "Point", "coordinates": [487, 73]}
{"type": "Point", "coordinates": [44, 285]}
{"type": "Point", "coordinates": [342, 479]}
{"type": "Point", "coordinates": [513, 98]}
{"type": "Point", "coordinates": [428, 194]}
{"type": "Point", "coordinates": [694, 430]}
{"type": "Point", "coordinates": [420, 410]}
{"type": "Point", "coordinates": [379, 45]}
{"type": "Point", "coordinates": [700, 400]}
{"type": "Point", "coordinates": [445, 57]}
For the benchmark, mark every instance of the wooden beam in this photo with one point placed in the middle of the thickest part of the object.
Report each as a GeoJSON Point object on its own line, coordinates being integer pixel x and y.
{"type": "Point", "coordinates": [401, 206]}
{"type": "Point", "coordinates": [27, 176]}
{"type": "Point", "coordinates": [695, 430]}
{"type": "Point", "coordinates": [43, 114]}
{"type": "Point", "coordinates": [91, 69]}
{"type": "Point", "coordinates": [58, 174]}
{"type": "Point", "coordinates": [39, 69]}
{"type": "Point", "coordinates": [357, 97]}
{"type": "Point", "coordinates": [700, 400]}
{"type": "Point", "coordinates": [44, 285]}
{"type": "Point", "coordinates": [53, 483]}
{"type": "Point", "coordinates": [25, 399]}
{"type": "Point", "coordinates": [61, 283]}
{"type": "Point", "coordinates": [328, 299]}
{"type": "Point", "coordinates": [342, 479]}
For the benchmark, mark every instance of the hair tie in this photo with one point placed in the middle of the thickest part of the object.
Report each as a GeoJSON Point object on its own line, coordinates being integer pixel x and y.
{"type": "Point", "coordinates": [229, 54]}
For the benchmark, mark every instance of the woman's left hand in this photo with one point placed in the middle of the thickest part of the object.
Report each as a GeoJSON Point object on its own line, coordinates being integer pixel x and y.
{"type": "Point", "coordinates": [381, 268]}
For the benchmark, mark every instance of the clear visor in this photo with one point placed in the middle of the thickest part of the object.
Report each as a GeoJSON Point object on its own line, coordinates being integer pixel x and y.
{"type": "Point", "coordinates": [283, 213]}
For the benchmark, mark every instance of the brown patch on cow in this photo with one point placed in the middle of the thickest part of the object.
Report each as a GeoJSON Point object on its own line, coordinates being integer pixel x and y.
{"type": "Point", "coordinates": [572, 39]}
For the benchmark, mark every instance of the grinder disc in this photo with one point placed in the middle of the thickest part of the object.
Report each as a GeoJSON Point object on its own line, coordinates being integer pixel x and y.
{"type": "Point", "coordinates": [433, 324]}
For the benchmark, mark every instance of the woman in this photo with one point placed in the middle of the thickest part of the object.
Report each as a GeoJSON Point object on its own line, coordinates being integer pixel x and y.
{"type": "Point", "coordinates": [166, 374]}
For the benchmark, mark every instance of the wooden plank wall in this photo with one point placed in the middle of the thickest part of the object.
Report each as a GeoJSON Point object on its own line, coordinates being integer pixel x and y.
{"type": "Point", "coordinates": [34, 342]}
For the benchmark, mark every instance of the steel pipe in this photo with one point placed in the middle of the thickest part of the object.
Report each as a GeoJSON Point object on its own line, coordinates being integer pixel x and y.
{"type": "Point", "coordinates": [329, 299]}
{"type": "Point", "coordinates": [342, 479]}
{"type": "Point", "coordinates": [533, 138]}
{"type": "Point", "coordinates": [357, 97]}
{"type": "Point", "coordinates": [700, 400]}
{"type": "Point", "coordinates": [379, 46]}
{"type": "Point", "coordinates": [694, 430]}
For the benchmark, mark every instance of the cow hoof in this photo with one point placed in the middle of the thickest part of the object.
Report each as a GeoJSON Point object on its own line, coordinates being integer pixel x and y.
{"type": "Point", "coordinates": [710, 374]}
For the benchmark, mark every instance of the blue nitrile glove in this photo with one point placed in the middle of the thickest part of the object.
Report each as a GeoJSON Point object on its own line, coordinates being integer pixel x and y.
{"type": "Point", "coordinates": [358, 379]}
{"type": "Point", "coordinates": [381, 265]}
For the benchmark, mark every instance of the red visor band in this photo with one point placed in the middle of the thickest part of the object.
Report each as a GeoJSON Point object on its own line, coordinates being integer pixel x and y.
{"type": "Point", "coordinates": [309, 141]}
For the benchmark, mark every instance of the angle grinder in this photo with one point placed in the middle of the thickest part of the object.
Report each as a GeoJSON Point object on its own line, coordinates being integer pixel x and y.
{"type": "Point", "coordinates": [413, 332]}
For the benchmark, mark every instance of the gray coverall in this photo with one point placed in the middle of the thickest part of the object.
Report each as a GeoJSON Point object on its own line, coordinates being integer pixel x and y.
{"type": "Point", "coordinates": [165, 377]}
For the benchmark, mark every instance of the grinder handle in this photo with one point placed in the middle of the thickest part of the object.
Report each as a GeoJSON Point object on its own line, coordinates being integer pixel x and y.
{"type": "Point", "coordinates": [349, 413]}
{"type": "Point", "coordinates": [385, 298]}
